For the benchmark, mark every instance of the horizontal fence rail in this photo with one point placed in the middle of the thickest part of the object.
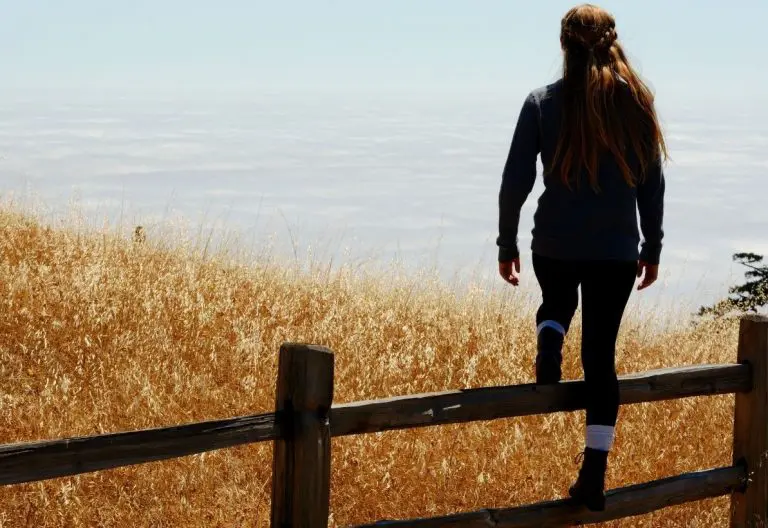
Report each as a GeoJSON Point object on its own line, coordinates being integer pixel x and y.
{"type": "Point", "coordinates": [620, 503]}
{"type": "Point", "coordinates": [27, 462]}
{"type": "Point", "coordinates": [421, 410]}
{"type": "Point", "coordinates": [32, 461]}
{"type": "Point", "coordinates": [306, 419]}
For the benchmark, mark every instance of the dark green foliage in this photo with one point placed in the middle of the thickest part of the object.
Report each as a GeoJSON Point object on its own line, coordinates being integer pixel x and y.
{"type": "Point", "coordinates": [748, 297]}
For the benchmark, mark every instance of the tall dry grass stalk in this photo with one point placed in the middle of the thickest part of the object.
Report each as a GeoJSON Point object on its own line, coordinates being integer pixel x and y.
{"type": "Point", "coordinates": [101, 334]}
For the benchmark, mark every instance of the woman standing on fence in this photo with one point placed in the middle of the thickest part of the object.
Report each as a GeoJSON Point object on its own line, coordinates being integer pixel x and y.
{"type": "Point", "coordinates": [602, 149]}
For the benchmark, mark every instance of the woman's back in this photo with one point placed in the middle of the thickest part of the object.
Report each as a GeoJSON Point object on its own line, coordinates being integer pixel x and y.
{"type": "Point", "coordinates": [580, 221]}
{"type": "Point", "coordinates": [601, 147]}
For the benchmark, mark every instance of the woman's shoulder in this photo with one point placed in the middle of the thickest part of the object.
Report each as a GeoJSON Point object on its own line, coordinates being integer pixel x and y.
{"type": "Point", "coordinates": [546, 92]}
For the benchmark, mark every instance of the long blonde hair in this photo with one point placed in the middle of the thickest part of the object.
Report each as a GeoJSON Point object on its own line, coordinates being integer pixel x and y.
{"type": "Point", "coordinates": [606, 106]}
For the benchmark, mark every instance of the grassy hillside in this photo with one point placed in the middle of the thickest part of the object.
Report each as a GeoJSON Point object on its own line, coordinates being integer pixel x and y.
{"type": "Point", "coordinates": [100, 334]}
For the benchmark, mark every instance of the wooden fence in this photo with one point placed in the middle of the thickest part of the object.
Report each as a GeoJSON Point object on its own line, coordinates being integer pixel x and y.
{"type": "Point", "coordinates": [305, 420]}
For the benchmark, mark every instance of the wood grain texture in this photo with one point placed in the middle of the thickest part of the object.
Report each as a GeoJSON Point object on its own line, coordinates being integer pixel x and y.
{"type": "Point", "coordinates": [301, 472]}
{"type": "Point", "coordinates": [460, 406]}
{"type": "Point", "coordinates": [750, 427]}
{"type": "Point", "coordinates": [621, 503]}
{"type": "Point", "coordinates": [31, 461]}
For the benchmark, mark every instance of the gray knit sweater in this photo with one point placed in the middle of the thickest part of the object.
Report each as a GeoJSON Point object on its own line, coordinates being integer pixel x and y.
{"type": "Point", "coordinates": [577, 223]}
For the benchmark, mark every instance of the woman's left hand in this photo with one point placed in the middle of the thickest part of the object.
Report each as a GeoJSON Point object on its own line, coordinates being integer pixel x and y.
{"type": "Point", "coordinates": [510, 271]}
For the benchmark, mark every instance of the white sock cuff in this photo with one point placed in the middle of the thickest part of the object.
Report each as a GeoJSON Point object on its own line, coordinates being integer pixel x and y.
{"type": "Point", "coordinates": [600, 437]}
{"type": "Point", "coordinates": [550, 324]}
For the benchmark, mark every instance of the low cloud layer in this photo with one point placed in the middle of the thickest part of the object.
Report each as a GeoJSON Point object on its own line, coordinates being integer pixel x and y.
{"type": "Point", "coordinates": [369, 178]}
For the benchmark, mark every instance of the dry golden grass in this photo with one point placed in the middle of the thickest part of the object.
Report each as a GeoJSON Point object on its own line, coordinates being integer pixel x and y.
{"type": "Point", "coordinates": [99, 334]}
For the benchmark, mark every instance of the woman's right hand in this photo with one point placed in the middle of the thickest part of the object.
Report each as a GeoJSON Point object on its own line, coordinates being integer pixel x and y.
{"type": "Point", "coordinates": [649, 273]}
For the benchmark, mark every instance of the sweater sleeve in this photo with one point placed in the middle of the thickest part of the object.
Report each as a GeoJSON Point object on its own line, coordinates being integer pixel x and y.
{"type": "Point", "coordinates": [650, 204]}
{"type": "Point", "coordinates": [518, 178]}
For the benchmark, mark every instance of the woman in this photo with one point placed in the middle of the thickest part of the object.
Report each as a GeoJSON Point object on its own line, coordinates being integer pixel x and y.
{"type": "Point", "coordinates": [602, 149]}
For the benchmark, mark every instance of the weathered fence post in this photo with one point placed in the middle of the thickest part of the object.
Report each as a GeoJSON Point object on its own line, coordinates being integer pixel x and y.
{"type": "Point", "coordinates": [750, 431]}
{"type": "Point", "coordinates": [301, 470]}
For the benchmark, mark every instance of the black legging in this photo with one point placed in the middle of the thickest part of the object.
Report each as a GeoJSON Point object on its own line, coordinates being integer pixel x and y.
{"type": "Point", "coordinates": [605, 289]}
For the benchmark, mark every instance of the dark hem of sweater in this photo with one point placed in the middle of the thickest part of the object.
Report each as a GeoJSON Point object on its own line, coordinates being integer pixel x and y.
{"type": "Point", "coordinates": [554, 248]}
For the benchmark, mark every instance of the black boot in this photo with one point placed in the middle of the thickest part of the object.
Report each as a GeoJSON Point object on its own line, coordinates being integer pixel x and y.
{"type": "Point", "coordinates": [549, 356]}
{"type": "Point", "coordinates": [589, 489]}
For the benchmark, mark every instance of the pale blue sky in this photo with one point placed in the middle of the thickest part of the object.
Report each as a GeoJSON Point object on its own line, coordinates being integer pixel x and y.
{"type": "Point", "coordinates": [378, 174]}
{"type": "Point", "coordinates": [687, 48]}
